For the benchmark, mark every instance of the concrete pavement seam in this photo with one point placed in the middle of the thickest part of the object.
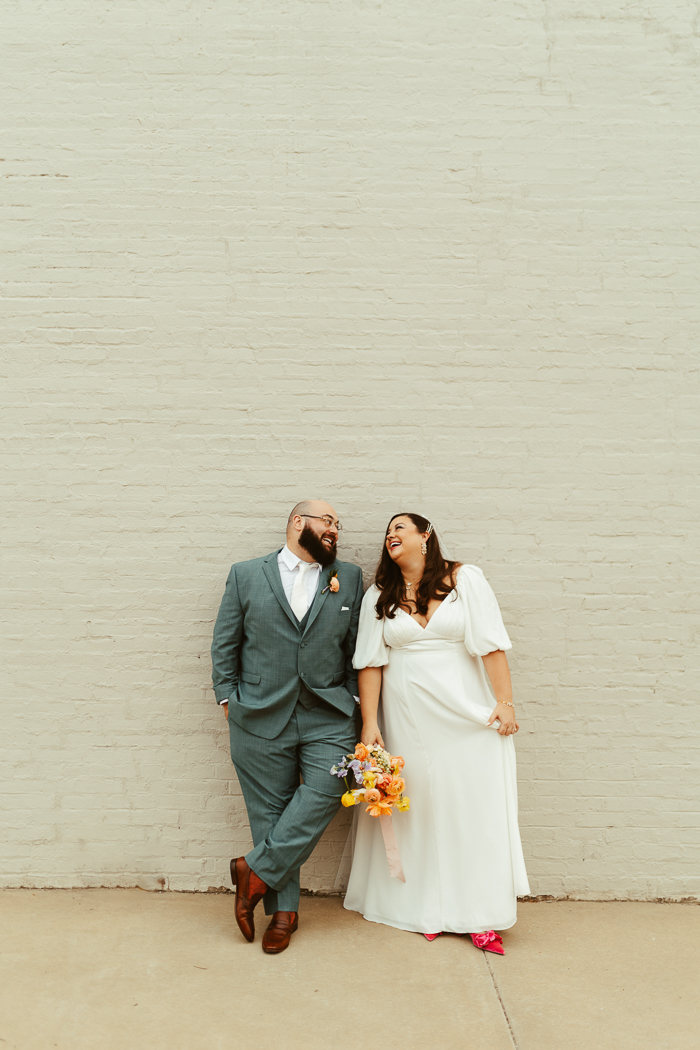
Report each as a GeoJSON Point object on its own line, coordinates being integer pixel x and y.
{"type": "Point", "coordinates": [500, 999]}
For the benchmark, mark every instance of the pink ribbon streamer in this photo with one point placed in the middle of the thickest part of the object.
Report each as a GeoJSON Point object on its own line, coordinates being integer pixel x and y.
{"type": "Point", "coordinates": [392, 847]}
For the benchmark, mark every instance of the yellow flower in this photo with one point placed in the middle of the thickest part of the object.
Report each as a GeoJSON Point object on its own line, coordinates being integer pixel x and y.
{"type": "Point", "coordinates": [348, 799]}
{"type": "Point", "coordinates": [369, 779]}
{"type": "Point", "coordinates": [403, 804]}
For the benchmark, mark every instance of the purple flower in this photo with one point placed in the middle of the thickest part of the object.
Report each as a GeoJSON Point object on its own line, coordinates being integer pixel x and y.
{"type": "Point", "coordinates": [356, 767]}
{"type": "Point", "coordinates": [341, 768]}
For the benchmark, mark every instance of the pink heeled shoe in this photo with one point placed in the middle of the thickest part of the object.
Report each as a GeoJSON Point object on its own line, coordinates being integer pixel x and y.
{"type": "Point", "coordinates": [488, 942]}
{"type": "Point", "coordinates": [431, 936]}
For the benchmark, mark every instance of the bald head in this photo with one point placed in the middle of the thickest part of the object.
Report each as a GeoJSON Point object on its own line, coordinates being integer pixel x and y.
{"type": "Point", "coordinates": [301, 508]}
{"type": "Point", "coordinates": [318, 507]}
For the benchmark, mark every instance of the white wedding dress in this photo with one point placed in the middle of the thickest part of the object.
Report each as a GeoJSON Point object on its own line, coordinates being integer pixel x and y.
{"type": "Point", "coordinates": [459, 842]}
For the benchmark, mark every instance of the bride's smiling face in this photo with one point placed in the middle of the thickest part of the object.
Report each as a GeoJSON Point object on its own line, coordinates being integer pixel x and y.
{"type": "Point", "coordinates": [403, 539]}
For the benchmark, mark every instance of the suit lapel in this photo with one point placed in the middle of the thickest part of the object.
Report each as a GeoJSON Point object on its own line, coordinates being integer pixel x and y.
{"type": "Point", "coordinates": [271, 570]}
{"type": "Point", "coordinates": [320, 598]}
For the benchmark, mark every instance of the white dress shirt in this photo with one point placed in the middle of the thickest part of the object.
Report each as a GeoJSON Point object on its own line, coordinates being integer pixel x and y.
{"type": "Point", "coordinates": [288, 564]}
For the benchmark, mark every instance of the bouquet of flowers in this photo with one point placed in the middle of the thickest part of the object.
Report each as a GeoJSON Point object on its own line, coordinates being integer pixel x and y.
{"type": "Point", "coordinates": [378, 775]}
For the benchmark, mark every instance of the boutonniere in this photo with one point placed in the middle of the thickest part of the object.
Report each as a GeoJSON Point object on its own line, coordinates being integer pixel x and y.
{"type": "Point", "coordinates": [333, 583]}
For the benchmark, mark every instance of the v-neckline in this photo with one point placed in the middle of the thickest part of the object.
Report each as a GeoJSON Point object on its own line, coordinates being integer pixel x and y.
{"type": "Point", "coordinates": [432, 617]}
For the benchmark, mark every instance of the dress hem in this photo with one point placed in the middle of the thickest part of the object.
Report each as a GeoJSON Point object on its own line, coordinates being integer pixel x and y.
{"type": "Point", "coordinates": [414, 929]}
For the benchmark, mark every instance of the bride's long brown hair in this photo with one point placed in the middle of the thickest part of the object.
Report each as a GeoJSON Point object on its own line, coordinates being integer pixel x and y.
{"type": "Point", "coordinates": [389, 578]}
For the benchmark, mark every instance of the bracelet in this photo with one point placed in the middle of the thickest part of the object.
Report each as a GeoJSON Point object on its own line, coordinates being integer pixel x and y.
{"type": "Point", "coordinates": [506, 703]}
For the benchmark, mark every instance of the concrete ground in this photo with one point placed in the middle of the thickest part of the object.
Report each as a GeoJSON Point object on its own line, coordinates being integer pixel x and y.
{"type": "Point", "coordinates": [126, 969]}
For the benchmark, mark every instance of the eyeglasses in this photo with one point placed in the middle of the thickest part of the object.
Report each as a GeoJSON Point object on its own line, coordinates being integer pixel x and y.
{"type": "Point", "coordinates": [328, 522]}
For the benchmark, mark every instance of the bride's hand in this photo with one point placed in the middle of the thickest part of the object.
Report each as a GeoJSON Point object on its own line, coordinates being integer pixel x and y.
{"type": "Point", "coordinates": [371, 735]}
{"type": "Point", "coordinates": [506, 716]}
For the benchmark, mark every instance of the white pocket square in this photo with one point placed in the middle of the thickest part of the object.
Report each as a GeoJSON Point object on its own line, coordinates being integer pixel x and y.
{"type": "Point", "coordinates": [345, 608]}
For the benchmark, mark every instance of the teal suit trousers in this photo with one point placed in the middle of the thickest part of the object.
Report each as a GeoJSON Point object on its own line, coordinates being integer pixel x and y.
{"type": "Point", "coordinates": [287, 818]}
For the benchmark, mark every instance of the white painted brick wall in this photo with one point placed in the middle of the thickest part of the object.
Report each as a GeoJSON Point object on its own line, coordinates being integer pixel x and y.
{"type": "Point", "coordinates": [429, 255]}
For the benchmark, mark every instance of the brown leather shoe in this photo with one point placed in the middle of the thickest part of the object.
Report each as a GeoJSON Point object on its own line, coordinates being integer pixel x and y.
{"type": "Point", "coordinates": [249, 891]}
{"type": "Point", "coordinates": [278, 934]}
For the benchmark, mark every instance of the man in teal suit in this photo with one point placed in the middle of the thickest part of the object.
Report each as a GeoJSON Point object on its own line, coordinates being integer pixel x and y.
{"type": "Point", "coordinates": [282, 668]}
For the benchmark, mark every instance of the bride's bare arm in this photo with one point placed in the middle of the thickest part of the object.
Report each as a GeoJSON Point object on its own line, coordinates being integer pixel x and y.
{"type": "Point", "coordinates": [496, 664]}
{"type": "Point", "coordinates": [370, 685]}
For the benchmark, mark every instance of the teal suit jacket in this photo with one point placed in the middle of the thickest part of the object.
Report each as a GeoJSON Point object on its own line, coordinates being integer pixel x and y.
{"type": "Point", "coordinates": [261, 656]}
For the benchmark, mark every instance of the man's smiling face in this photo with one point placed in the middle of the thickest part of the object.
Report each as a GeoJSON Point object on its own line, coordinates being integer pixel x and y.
{"type": "Point", "coordinates": [317, 537]}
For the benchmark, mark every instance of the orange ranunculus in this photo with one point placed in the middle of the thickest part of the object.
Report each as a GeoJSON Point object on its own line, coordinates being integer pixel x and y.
{"type": "Point", "coordinates": [379, 809]}
{"type": "Point", "coordinates": [334, 585]}
{"type": "Point", "coordinates": [397, 763]}
{"type": "Point", "coordinates": [372, 796]}
{"type": "Point", "coordinates": [361, 752]}
{"type": "Point", "coordinates": [396, 786]}
{"type": "Point", "coordinates": [383, 781]}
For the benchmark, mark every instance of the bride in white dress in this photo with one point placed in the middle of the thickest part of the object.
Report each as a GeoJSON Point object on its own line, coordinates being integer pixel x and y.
{"type": "Point", "coordinates": [439, 642]}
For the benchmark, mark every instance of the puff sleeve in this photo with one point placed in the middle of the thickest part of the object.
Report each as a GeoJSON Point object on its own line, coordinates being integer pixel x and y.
{"type": "Point", "coordinates": [484, 631]}
{"type": "Point", "coordinates": [370, 650]}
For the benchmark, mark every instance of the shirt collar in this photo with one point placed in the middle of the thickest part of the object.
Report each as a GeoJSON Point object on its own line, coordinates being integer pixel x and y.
{"type": "Point", "coordinates": [291, 560]}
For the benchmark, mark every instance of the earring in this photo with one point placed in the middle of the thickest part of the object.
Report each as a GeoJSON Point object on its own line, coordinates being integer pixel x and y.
{"type": "Point", "coordinates": [424, 547]}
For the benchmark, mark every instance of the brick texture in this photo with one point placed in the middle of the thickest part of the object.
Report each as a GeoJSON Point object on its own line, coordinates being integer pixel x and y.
{"type": "Point", "coordinates": [435, 256]}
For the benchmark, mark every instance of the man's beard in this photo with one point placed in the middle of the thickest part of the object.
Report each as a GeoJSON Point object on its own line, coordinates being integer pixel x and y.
{"type": "Point", "coordinates": [312, 543]}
